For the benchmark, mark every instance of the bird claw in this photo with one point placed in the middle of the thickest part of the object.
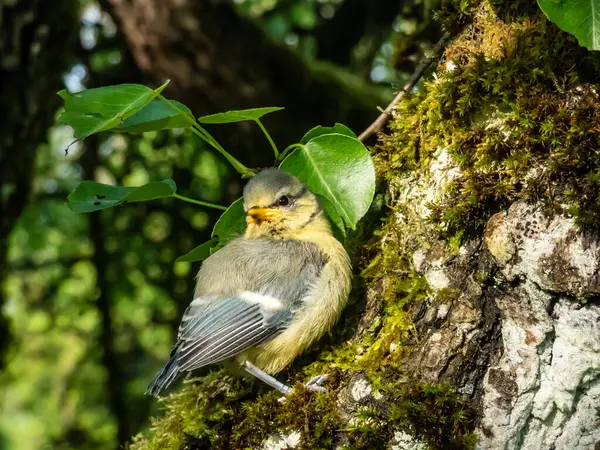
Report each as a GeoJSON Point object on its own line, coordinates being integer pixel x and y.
{"type": "Point", "coordinates": [313, 384]}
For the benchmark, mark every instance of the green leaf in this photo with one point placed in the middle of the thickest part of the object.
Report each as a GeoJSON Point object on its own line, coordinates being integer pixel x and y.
{"type": "Point", "coordinates": [94, 110]}
{"type": "Point", "coordinates": [200, 253]}
{"type": "Point", "coordinates": [238, 116]}
{"type": "Point", "coordinates": [90, 196]}
{"type": "Point", "coordinates": [339, 168]}
{"type": "Point", "coordinates": [580, 18]}
{"type": "Point", "coordinates": [231, 224]}
{"type": "Point", "coordinates": [152, 191]}
{"type": "Point", "coordinates": [318, 131]}
{"type": "Point", "coordinates": [337, 224]}
{"type": "Point", "coordinates": [158, 115]}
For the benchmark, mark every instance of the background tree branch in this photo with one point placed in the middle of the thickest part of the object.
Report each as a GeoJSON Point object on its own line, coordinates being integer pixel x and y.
{"type": "Point", "coordinates": [35, 39]}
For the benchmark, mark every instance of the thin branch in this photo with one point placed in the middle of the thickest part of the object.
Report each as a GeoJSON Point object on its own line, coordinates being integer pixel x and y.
{"type": "Point", "coordinates": [424, 65]}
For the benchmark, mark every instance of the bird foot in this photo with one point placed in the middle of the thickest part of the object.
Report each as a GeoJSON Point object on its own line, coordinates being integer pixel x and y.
{"type": "Point", "coordinates": [314, 384]}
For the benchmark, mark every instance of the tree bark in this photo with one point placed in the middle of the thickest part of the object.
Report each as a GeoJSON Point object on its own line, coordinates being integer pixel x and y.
{"type": "Point", "coordinates": [35, 37]}
{"type": "Point", "coordinates": [217, 61]}
{"type": "Point", "coordinates": [112, 361]}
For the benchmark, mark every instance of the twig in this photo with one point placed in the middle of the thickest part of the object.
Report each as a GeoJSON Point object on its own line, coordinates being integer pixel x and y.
{"type": "Point", "coordinates": [423, 66]}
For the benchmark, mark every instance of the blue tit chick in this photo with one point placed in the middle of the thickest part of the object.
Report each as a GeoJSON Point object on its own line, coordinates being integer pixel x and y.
{"type": "Point", "coordinates": [266, 296]}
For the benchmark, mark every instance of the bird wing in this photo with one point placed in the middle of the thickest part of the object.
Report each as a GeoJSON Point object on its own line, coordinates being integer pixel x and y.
{"type": "Point", "coordinates": [245, 301]}
{"type": "Point", "coordinates": [212, 332]}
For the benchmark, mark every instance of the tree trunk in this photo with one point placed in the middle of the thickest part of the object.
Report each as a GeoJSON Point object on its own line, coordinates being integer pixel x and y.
{"type": "Point", "coordinates": [474, 321]}
{"type": "Point", "coordinates": [34, 39]}
{"type": "Point", "coordinates": [217, 61]}
{"type": "Point", "coordinates": [112, 361]}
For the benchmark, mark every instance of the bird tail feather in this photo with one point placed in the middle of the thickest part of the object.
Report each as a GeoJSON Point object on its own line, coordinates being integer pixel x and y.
{"type": "Point", "coordinates": [164, 377]}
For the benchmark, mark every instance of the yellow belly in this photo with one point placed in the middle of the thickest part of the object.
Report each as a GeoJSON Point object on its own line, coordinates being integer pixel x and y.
{"type": "Point", "coordinates": [321, 310]}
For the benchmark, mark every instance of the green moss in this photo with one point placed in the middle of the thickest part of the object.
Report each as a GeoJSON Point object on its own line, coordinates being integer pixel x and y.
{"type": "Point", "coordinates": [220, 412]}
{"type": "Point", "coordinates": [313, 415]}
{"type": "Point", "coordinates": [436, 413]}
{"type": "Point", "coordinates": [447, 295]}
{"type": "Point", "coordinates": [517, 114]}
{"type": "Point", "coordinates": [386, 346]}
{"type": "Point", "coordinates": [369, 429]}
{"type": "Point", "coordinates": [454, 14]}
{"type": "Point", "coordinates": [202, 412]}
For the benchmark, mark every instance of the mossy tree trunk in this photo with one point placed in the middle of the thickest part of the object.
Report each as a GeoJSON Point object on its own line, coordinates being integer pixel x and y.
{"type": "Point", "coordinates": [474, 319]}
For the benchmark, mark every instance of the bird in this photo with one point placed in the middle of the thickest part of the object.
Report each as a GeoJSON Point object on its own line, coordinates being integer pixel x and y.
{"type": "Point", "coordinates": [267, 295]}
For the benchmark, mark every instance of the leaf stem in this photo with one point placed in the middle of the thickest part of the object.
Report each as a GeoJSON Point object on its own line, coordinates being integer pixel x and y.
{"type": "Point", "coordinates": [199, 202]}
{"type": "Point", "coordinates": [264, 130]}
{"type": "Point", "coordinates": [241, 169]}
{"type": "Point", "coordinates": [206, 137]}
{"type": "Point", "coordinates": [287, 150]}
{"type": "Point", "coordinates": [237, 165]}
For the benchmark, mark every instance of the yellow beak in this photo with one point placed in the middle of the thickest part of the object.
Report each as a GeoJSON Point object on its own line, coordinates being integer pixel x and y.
{"type": "Point", "coordinates": [257, 215]}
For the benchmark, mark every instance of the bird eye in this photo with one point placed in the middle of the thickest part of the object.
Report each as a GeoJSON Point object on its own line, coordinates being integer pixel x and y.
{"type": "Point", "coordinates": [283, 200]}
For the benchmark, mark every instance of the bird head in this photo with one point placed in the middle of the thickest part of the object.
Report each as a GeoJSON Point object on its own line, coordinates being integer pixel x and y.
{"type": "Point", "coordinates": [279, 205]}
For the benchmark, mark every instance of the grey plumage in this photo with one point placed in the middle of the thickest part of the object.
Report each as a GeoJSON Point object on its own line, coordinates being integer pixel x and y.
{"type": "Point", "coordinates": [258, 301]}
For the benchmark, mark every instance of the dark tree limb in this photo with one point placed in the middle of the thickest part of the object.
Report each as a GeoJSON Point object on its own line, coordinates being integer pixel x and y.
{"type": "Point", "coordinates": [35, 37]}
{"type": "Point", "coordinates": [115, 378]}
{"type": "Point", "coordinates": [115, 383]}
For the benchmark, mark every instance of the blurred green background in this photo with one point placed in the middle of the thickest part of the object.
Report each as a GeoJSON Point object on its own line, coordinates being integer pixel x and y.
{"type": "Point", "coordinates": [90, 304]}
